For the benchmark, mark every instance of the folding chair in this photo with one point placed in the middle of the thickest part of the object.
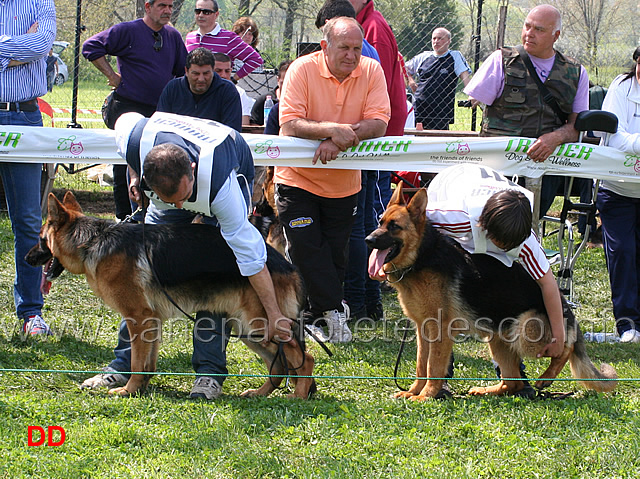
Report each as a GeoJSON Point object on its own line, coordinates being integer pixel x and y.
{"type": "Point", "coordinates": [590, 120]}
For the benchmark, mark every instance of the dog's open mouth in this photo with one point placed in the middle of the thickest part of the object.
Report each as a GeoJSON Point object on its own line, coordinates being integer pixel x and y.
{"type": "Point", "coordinates": [52, 269]}
{"type": "Point", "coordinates": [379, 257]}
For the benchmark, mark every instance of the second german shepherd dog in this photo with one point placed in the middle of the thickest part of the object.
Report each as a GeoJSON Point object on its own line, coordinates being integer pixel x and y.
{"type": "Point", "coordinates": [192, 263]}
{"type": "Point", "coordinates": [445, 290]}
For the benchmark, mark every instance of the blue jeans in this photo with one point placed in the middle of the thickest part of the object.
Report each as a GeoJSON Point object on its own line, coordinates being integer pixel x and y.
{"type": "Point", "coordinates": [209, 349]}
{"type": "Point", "coordinates": [360, 291]}
{"type": "Point", "coordinates": [620, 217]}
{"type": "Point", "coordinates": [21, 182]}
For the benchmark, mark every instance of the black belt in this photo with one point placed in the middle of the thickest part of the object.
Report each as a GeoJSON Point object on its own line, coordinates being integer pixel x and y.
{"type": "Point", "coordinates": [30, 105]}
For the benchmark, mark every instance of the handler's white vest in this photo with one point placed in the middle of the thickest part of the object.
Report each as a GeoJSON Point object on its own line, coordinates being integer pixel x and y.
{"type": "Point", "coordinates": [205, 134]}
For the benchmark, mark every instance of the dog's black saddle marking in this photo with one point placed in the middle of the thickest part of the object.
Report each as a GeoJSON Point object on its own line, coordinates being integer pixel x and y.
{"type": "Point", "coordinates": [178, 253]}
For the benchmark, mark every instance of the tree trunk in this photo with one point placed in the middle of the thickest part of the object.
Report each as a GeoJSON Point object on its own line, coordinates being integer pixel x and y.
{"type": "Point", "coordinates": [139, 8]}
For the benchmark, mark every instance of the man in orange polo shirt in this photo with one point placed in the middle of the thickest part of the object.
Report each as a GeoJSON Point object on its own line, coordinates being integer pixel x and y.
{"type": "Point", "coordinates": [337, 97]}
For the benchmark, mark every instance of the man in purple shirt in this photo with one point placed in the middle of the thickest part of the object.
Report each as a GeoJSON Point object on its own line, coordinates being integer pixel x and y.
{"type": "Point", "coordinates": [514, 104]}
{"type": "Point", "coordinates": [149, 53]}
{"type": "Point", "coordinates": [211, 36]}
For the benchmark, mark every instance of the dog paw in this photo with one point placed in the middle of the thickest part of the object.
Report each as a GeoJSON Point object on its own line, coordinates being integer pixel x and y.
{"type": "Point", "coordinates": [419, 398]}
{"type": "Point", "coordinates": [478, 391]}
{"type": "Point", "coordinates": [250, 393]}
{"type": "Point", "coordinates": [540, 384]}
{"type": "Point", "coordinates": [403, 395]}
{"type": "Point", "coordinates": [122, 391]}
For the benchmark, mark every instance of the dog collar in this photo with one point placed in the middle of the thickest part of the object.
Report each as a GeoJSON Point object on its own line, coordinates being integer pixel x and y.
{"type": "Point", "coordinates": [397, 271]}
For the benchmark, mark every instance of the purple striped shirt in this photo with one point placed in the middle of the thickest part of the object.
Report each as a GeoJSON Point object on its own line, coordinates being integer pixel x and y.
{"type": "Point", "coordinates": [220, 40]}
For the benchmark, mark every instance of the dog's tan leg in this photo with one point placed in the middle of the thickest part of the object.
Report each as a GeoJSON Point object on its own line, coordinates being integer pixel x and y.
{"type": "Point", "coordinates": [554, 368]}
{"type": "Point", "coordinates": [509, 364]}
{"type": "Point", "coordinates": [421, 365]}
{"type": "Point", "coordinates": [440, 347]}
{"type": "Point", "coordinates": [145, 340]}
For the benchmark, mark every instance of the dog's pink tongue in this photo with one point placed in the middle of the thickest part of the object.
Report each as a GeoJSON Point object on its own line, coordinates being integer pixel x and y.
{"type": "Point", "coordinates": [45, 284]}
{"type": "Point", "coordinates": [376, 260]}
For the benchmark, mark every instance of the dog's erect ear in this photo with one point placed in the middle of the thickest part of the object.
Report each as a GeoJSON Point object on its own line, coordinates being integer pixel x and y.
{"type": "Point", "coordinates": [418, 206]}
{"type": "Point", "coordinates": [57, 212]}
{"type": "Point", "coordinates": [397, 198]}
{"type": "Point", "coordinates": [71, 203]}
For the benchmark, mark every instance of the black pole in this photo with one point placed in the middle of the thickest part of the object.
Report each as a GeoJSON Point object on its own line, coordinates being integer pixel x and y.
{"type": "Point", "coordinates": [76, 67]}
{"type": "Point", "coordinates": [476, 57]}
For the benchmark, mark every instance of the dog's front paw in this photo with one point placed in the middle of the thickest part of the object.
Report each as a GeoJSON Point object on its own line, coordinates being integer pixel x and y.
{"type": "Point", "coordinates": [403, 395]}
{"type": "Point", "coordinates": [121, 391]}
{"type": "Point", "coordinates": [419, 398]}
{"type": "Point", "coordinates": [250, 393]}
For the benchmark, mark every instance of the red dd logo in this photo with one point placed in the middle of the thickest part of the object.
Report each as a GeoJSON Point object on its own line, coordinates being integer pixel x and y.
{"type": "Point", "coordinates": [40, 436]}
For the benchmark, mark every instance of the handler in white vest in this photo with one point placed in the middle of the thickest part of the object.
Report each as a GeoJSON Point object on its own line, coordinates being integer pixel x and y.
{"type": "Point", "coordinates": [192, 166]}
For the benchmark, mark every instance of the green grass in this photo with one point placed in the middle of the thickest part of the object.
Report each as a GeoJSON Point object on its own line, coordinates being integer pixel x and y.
{"type": "Point", "coordinates": [351, 428]}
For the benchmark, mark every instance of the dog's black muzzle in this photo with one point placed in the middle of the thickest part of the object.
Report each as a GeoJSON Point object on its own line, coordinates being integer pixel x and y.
{"type": "Point", "coordinates": [40, 255]}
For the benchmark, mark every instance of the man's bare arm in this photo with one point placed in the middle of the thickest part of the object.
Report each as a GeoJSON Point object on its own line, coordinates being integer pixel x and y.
{"type": "Point", "coordinates": [366, 129]}
{"type": "Point", "coordinates": [105, 68]}
{"type": "Point", "coordinates": [341, 134]}
{"type": "Point", "coordinates": [547, 143]}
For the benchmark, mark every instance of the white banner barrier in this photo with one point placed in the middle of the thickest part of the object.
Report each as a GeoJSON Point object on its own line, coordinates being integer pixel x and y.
{"type": "Point", "coordinates": [408, 153]}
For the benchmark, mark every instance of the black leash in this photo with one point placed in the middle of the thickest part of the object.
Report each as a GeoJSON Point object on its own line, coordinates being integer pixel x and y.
{"type": "Point", "coordinates": [400, 351]}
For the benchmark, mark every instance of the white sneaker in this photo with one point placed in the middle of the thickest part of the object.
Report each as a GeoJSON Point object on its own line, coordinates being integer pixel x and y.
{"type": "Point", "coordinates": [35, 326]}
{"type": "Point", "coordinates": [630, 336]}
{"type": "Point", "coordinates": [110, 378]}
{"type": "Point", "coordinates": [206, 387]}
{"type": "Point", "coordinates": [318, 333]}
{"type": "Point", "coordinates": [339, 331]}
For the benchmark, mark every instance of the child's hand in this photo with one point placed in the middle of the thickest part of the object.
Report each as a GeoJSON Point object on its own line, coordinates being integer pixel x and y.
{"type": "Point", "coordinates": [552, 350]}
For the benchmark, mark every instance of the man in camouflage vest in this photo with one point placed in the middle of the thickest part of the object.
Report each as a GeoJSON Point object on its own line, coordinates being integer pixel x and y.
{"type": "Point", "coordinates": [514, 103]}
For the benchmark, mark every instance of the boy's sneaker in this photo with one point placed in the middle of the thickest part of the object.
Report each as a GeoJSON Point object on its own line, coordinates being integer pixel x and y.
{"type": "Point", "coordinates": [109, 378]}
{"type": "Point", "coordinates": [318, 333]}
{"type": "Point", "coordinates": [205, 387]}
{"type": "Point", "coordinates": [339, 331]}
{"type": "Point", "coordinates": [630, 336]}
{"type": "Point", "coordinates": [35, 325]}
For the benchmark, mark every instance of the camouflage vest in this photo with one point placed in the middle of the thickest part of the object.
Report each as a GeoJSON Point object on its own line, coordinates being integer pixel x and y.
{"type": "Point", "coordinates": [521, 110]}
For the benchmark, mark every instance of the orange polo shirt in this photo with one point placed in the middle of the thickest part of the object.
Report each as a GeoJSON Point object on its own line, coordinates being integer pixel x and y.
{"type": "Point", "coordinates": [310, 91]}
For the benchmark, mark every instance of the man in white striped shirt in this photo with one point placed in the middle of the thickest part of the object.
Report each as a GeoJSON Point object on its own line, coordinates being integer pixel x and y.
{"type": "Point", "coordinates": [27, 31]}
{"type": "Point", "coordinates": [211, 36]}
{"type": "Point", "coordinates": [486, 213]}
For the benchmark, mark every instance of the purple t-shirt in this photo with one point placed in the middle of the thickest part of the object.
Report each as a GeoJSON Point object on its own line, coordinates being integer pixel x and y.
{"type": "Point", "coordinates": [488, 82]}
{"type": "Point", "coordinates": [144, 71]}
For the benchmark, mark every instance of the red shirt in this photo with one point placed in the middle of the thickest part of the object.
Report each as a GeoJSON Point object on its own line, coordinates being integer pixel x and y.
{"type": "Point", "coordinates": [378, 32]}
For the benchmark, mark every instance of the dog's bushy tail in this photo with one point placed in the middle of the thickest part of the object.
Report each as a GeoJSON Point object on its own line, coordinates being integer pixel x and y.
{"type": "Point", "coordinates": [582, 368]}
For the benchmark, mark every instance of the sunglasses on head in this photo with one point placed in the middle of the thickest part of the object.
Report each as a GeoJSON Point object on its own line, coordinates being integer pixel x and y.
{"type": "Point", "coordinates": [157, 46]}
{"type": "Point", "coordinates": [204, 11]}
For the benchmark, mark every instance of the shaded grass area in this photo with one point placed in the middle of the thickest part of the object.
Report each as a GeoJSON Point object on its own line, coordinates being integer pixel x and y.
{"type": "Point", "coordinates": [351, 428]}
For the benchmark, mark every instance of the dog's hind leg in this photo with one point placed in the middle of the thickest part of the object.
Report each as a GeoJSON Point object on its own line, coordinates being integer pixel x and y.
{"type": "Point", "coordinates": [554, 368]}
{"type": "Point", "coordinates": [145, 340]}
{"type": "Point", "coordinates": [509, 364]}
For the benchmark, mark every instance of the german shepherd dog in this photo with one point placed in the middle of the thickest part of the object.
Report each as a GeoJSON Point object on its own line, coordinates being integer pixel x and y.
{"type": "Point", "coordinates": [179, 262]}
{"type": "Point", "coordinates": [443, 288]}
